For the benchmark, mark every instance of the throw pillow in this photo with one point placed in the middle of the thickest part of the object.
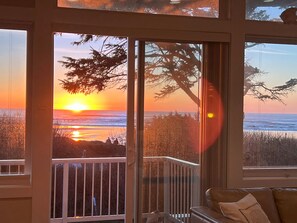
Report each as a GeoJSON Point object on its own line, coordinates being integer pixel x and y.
{"type": "Point", "coordinates": [246, 210]}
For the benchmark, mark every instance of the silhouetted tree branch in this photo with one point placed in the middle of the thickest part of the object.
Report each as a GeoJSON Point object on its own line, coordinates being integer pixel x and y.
{"type": "Point", "coordinates": [170, 67]}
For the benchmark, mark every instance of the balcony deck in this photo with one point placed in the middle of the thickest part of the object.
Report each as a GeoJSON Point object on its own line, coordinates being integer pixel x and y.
{"type": "Point", "coordinates": [93, 189]}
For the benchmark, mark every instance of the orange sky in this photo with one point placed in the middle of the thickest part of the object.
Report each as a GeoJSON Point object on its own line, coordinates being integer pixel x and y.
{"type": "Point", "coordinates": [12, 85]}
{"type": "Point", "coordinates": [12, 69]}
{"type": "Point", "coordinates": [100, 101]}
{"type": "Point", "coordinates": [113, 99]}
{"type": "Point", "coordinates": [109, 99]}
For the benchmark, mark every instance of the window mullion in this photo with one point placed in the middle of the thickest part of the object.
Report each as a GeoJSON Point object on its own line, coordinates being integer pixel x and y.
{"type": "Point", "coordinates": [139, 132]}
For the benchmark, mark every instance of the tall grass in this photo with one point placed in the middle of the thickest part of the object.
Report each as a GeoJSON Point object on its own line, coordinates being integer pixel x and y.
{"type": "Point", "coordinates": [264, 148]}
{"type": "Point", "coordinates": [174, 135]}
{"type": "Point", "coordinates": [12, 136]}
{"type": "Point", "coordinates": [171, 135]}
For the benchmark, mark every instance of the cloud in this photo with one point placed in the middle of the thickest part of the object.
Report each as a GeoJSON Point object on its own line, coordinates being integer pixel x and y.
{"type": "Point", "coordinates": [264, 51]}
{"type": "Point", "coordinates": [271, 50]}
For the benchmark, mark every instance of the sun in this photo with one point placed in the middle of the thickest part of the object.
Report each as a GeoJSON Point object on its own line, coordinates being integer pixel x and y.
{"type": "Point", "coordinates": [77, 107]}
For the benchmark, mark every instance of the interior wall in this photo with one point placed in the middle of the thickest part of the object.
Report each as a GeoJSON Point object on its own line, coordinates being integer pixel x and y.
{"type": "Point", "coordinates": [16, 210]}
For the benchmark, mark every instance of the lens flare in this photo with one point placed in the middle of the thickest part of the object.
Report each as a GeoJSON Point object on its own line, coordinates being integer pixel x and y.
{"type": "Point", "coordinates": [212, 116]}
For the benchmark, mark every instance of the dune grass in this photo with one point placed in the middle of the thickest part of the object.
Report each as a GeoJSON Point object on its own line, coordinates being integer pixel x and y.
{"type": "Point", "coordinates": [12, 136]}
{"type": "Point", "coordinates": [264, 148]}
{"type": "Point", "coordinates": [260, 148]}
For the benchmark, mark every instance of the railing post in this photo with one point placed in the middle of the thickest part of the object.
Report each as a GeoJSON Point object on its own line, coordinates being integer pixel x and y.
{"type": "Point", "coordinates": [65, 192]}
{"type": "Point", "coordinates": [195, 186]}
{"type": "Point", "coordinates": [166, 188]}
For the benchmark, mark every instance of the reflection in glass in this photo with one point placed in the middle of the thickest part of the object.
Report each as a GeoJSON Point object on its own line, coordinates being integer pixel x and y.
{"type": "Point", "coordinates": [270, 112]}
{"type": "Point", "coordinates": [171, 129]}
{"type": "Point", "coordinates": [267, 10]}
{"type": "Point", "coordinates": [201, 8]}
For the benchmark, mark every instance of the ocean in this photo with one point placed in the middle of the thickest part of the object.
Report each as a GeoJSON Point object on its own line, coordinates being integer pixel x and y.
{"type": "Point", "coordinates": [95, 124]}
{"type": "Point", "coordinates": [99, 125]}
{"type": "Point", "coordinates": [92, 124]}
{"type": "Point", "coordinates": [273, 123]}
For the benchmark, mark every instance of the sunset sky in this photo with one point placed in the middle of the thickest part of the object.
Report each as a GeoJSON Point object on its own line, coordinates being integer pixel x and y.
{"type": "Point", "coordinates": [277, 61]}
{"type": "Point", "coordinates": [267, 57]}
{"type": "Point", "coordinates": [12, 68]}
{"type": "Point", "coordinates": [111, 99]}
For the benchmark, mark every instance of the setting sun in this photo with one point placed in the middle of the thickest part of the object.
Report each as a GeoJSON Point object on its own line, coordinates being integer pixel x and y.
{"type": "Point", "coordinates": [77, 107]}
{"type": "Point", "coordinates": [80, 102]}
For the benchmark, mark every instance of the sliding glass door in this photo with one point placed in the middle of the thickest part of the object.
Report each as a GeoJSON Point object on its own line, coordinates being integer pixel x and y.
{"type": "Point", "coordinates": [132, 121]}
{"type": "Point", "coordinates": [168, 107]}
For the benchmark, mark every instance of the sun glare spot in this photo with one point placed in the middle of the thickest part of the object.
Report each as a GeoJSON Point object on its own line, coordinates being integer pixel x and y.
{"type": "Point", "coordinates": [210, 115]}
{"type": "Point", "coordinates": [76, 107]}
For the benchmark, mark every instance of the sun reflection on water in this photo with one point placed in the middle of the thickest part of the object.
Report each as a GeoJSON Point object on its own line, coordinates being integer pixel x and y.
{"type": "Point", "coordinates": [76, 135]}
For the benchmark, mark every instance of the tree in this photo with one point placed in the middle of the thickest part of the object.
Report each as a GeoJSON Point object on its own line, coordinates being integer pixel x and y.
{"type": "Point", "coordinates": [169, 67]}
{"type": "Point", "coordinates": [253, 11]}
{"type": "Point", "coordinates": [259, 89]}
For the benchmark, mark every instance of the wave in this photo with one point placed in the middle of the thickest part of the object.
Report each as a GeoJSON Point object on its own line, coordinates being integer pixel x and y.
{"type": "Point", "coordinates": [270, 122]}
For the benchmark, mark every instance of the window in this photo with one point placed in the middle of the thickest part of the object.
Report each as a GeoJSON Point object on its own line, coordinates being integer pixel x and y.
{"type": "Point", "coordinates": [12, 101]}
{"type": "Point", "coordinates": [89, 142]}
{"type": "Point", "coordinates": [204, 8]}
{"type": "Point", "coordinates": [267, 10]}
{"type": "Point", "coordinates": [120, 18]}
{"type": "Point", "coordinates": [270, 111]}
{"type": "Point", "coordinates": [89, 126]}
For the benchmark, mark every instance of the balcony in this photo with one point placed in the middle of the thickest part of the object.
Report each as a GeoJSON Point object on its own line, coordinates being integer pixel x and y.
{"type": "Point", "coordinates": [93, 189]}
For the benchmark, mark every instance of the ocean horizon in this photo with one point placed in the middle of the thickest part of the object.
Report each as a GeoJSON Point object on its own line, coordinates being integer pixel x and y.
{"type": "Point", "coordinates": [101, 124]}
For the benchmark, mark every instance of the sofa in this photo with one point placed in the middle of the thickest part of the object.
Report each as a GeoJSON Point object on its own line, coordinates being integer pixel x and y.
{"type": "Point", "coordinates": [279, 204]}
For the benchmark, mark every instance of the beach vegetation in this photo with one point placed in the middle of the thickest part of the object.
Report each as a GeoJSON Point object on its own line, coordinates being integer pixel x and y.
{"type": "Point", "coordinates": [264, 148]}
{"type": "Point", "coordinates": [12, 136]}
{"type": "Point", "coordinates": [175, 135]}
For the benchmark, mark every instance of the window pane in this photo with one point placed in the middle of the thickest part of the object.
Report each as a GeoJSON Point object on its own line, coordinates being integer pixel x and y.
{"type": "Point", "coordinates": [267, 9]}
{"type": "Point", "coordinates": [12, 100]}
{"type": "Point", "coordinates": [89, 140]}
{"type": "Point", "coordinates": [270, 110]}
{"type": "Point", "coordinates": [201, 8]}
{"type": "Point", "coordinates": [171, 129]}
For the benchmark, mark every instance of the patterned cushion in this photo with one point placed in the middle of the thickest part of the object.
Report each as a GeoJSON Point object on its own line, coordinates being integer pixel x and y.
{"type": "Point", "coordinates": [246, 210]}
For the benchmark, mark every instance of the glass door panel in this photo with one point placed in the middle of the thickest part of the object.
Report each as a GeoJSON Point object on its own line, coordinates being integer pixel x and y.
{"type": "Point", "coordinates": [170, 164]}
{"type": "Point", "coordinates": [89, 128]}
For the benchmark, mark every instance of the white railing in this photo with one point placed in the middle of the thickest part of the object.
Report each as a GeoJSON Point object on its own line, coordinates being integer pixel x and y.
{"type": "Point", "coordinates": [88, 189]}
{"type": "Point", "coordinates": [93, 189]}
{"type": "Point", "coordinates": [173, 185]}
{"type": "Point", "coordinates": [11, 167]}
